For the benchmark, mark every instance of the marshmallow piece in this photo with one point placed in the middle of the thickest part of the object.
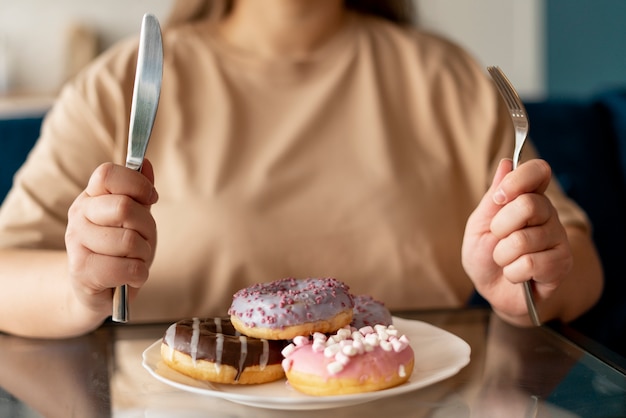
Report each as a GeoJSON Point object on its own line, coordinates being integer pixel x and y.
{"type": "Point", "coordinates": [318, 346]}
{"type": "Point", "coordinates": [372, 339]}
{"type": "Point", "coordinates": [331, 350]}
{"type": "Point", "coordinates": [359, 346]}
{"type": "Point", "coordinates": [392, 331]}
{"type": "Point", "coordinates": [342, 358]}
{"type": "Point", "coordinates": [319, 336]}
{"type": "Point", "coordinates": [334, 367]}
{"type": "Point", "coordinates": [287, 363]}
{"type": "Point", "coordinates": [350, 350]}
{"type": "Point", "coordinates": [382, 334]}
{"type": "Point", "coordinates": [366, 330]}
{"type": "Point", "coordinates": [379, 327]}
{"type": "Point", "coordinates": [344, 333]}
{"type": "Point", "coordinates": [386, 345]}
{"type": "Point", "coordinates": [357, 336]}
{"type": "Point", "coordinates": [288, 350]}
{"type": "Point", "coordinates": [300, 340]}
{"type": "Point", "coordinates": [398, 345]}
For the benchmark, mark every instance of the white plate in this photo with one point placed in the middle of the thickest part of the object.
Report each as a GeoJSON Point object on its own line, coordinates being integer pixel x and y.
{"type": "Point", "coordinates": [438, 355]}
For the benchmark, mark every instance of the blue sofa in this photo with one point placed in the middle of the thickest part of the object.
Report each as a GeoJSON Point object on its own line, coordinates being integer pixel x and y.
{"type": "Point", "coordinates": [17, 136]}
{"type": "Point", "coordinates": [584, 141]}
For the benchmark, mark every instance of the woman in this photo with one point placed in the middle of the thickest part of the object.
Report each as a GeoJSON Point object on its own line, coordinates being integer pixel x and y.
{"type": "Point", "coordinates": [293, 138]}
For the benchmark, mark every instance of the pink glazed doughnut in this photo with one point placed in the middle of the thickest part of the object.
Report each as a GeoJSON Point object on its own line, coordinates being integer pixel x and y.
{"type": "Point", "coordinates": [350, 361]}
{"type": "Point", "coordinates": [286, 308]}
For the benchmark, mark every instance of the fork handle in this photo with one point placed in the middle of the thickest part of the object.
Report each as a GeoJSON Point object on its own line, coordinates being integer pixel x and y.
{"type": "Point", "coordinates": [120, 304]}
{"type": "Point", "coordinates": [530, 303]}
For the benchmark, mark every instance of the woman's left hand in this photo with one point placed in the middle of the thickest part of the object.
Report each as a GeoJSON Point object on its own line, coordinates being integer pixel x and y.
{"type": "Point", "coordinates": [515, 235]}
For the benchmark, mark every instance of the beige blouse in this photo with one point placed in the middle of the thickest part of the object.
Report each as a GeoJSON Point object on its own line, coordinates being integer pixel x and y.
{"type": "Point", "coordinates": [361, 161]}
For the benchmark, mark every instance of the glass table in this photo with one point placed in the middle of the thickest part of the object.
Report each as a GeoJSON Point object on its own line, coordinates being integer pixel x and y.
{"type": "Point", "coordinates": [532, 372]}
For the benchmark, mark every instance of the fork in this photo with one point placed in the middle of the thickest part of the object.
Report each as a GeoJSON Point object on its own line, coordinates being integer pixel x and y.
{"type": "Point", "coordinates": [519, 117]}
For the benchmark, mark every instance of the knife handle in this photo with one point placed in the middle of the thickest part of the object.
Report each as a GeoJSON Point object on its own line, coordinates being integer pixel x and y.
{"type": "Point", "coordinates": [120, 304]}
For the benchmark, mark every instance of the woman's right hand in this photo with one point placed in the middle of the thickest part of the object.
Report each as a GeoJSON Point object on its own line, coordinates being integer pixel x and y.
{"type": "Point", "coordinates": [111, 234]}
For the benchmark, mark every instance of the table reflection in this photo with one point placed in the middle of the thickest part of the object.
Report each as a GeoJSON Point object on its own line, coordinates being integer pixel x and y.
{"type": "Point", "coordinates": [513, 372]}
{"type": "Point", "coordinates": [55, 378]}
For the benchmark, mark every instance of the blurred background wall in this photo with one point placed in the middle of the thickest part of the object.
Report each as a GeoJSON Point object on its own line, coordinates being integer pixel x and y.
{"type": "Point", "coordinates": [547, 47]}
{"type": "Point", "coordinates": [40, 39]}
{"type": "Point", "coordinates": [585, 46]}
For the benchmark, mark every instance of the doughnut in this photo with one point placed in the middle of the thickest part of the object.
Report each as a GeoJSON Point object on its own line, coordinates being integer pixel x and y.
{"type": "Point", "coordinates": [369, 311]}
{"type": "Point", "coordinates": [286, 308]}
{"type": "Point", "coordinates": [212, 350]}
{"type": "Point", "coordinates": [350, 361]}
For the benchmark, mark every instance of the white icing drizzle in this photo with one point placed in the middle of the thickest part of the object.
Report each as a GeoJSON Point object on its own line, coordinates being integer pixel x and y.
{"type": "Point", "coordinates": [195, 338]}
{"type": "Point", "coordinates": [243, 353]}
{"type": "Point", "coordinates": [265, 356]}
{"type": "Point", "coordinates": [170, 336]}
{"type": "Point", "coordinates": [218, 325]}
{"type": "Point", "coordinates": [219, 350]}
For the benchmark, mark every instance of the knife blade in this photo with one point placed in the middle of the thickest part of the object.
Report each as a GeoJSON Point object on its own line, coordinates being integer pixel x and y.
{"type": "Point", "coordinates": [146, 93]}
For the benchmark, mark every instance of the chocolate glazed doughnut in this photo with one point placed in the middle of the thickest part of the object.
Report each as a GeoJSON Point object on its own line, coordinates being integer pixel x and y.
{"type": "Point", "coordinates": [212, 350]}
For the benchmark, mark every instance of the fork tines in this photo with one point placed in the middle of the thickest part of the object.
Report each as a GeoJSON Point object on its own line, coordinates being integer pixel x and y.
{"type": "Point", "coordinates": [505, 87]}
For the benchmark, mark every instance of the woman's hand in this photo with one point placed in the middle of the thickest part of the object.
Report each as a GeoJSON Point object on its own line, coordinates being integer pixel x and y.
{"type": "Point", "coordinates": [515, 235]}
{"type": "Point", "coordinates": [111, 235]}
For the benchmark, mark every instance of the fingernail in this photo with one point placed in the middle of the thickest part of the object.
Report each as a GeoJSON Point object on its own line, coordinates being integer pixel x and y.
{"type": "Point", "coordinates": [499, 198]}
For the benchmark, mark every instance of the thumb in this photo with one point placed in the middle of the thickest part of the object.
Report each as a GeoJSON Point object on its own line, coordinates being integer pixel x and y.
{"type": "Point", "coordinates": [491, 202]}
{"type": "Point", "coordinates": [147, 170]}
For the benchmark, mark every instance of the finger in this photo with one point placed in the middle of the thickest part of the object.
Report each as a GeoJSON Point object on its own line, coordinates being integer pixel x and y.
{"type": "Point", "coordinates": [530, 177]}
{"type": "Point", "coordinates": [100, 272]}
{"type": "Point", "coordinates": [110, 178]}
{"type": "Point", "coordinates": [546, 268]}
{"type": "Point", "coordinates": [147, 170]}
{"type": "Point", "coordinates": [488, 206]}
{"type": "Point", "coordinates": [116, 242]}
{"type": "Point", "coordinates": [526, 210]}
{"type": "Point", "coordinates": [525, 241]}
{"type": "Point", "coordinates": [122, 212]}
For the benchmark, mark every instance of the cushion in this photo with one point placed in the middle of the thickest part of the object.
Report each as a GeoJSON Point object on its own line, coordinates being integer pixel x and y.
{"type": "Point", "coordinates": [578, 139]}
{"type": "Point", "coordinates": [17, 137]}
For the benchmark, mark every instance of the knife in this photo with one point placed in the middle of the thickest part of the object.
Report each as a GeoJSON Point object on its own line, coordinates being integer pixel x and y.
{"type": "Point", "coordinates": [146, 92]}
